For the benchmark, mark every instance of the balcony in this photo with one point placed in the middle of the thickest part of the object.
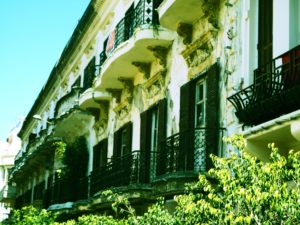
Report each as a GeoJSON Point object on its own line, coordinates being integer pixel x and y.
{"type": "Point", "coordinates": [7, 194]}
{"type": "Point", "coordinates": [70, 120]}
{"type": "Point", "coordinates": [122, 171]}
{"type": "Point", "coordinates": [187, 153]}
{"type": "Point", "coordinates": [275, 90]}
{"type": "Point", "coordinates": [37, 153]}
{"type": "Point", "coordinates": [92, 99]}
{"type": "Point", "coordinates": [133, 36]}
{"type": "Point", "coordinates": [173, 12]}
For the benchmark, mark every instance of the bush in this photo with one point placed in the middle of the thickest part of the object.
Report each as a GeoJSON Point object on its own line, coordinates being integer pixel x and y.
{"type": "Point", "coordinates": [239, 190]}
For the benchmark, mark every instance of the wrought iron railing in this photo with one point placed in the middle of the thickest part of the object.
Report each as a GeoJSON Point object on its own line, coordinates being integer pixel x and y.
{"type": "Point", "coordinates": [188, 151]}
{"type": "Point", "coordinates": [23, 200]}
{"type": "Point", "coordinates": [39, 191]}
{"type": "Point", "coordinates": [274, 91]}
{"type": "Point", "coordinates": [89, 75]}
{"type": "Point", "coordinates": [62, 190]}
{"type": "Point", "coordinates": [144, 13]}
{"type": "Point", "coordinates": [121, 171]}
{"type": "Point", "coordinates": [68, 102]}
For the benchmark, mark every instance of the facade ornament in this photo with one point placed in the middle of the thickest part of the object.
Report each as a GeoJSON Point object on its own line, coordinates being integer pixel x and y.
{"type": "Point", "coordinates": [116, 93]}
{"type": "Point", "coordinates": [200, 50]}
{"type": "Point", "coordinates": [160, 53]}
{"type": "Point", "coordinates": [143, 68]}
{"type": "Point", "coordinates": [185, 30]}
{"type": "Point", "coordinates": [211, 10]}
{"type": "Point", "coordinates": [154, 88]}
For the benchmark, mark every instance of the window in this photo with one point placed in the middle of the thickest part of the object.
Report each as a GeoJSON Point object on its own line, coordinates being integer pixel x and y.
{"type": "Point", "coordinates": [153, 131]}
{"type": "Point", "coordinates": [200, 100]}
{"type": "Point", "coordinates": [100, 155]}
{"type": "Point", "coordinates": [122, 140]}
{"type": "Point", "coordinates": [199, 120]}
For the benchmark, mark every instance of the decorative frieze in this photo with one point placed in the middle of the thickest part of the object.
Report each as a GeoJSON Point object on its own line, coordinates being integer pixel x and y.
{"type": "Point", "coordinates": [143, 68]}
{"type": "Point", "coordinates": [122, 111]}
{"type": "Point", "coordinates": [115, 93]}
{"type": "Point", "coordinates": [186, 31]}
{"type": "Point", "coordinates": [160, 53]}
{"type": "Point", "coordinates": [154, 88]}
{"type": "Point", "coordinates": [198, 52]}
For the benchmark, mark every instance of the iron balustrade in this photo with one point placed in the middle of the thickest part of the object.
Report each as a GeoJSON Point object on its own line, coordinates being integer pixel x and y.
{"type": "Point", "coordinates": [144, 13]}
{"type": "Point", "coordinates": [120, 171]}
{"type": "Point", "coordinates": [60, 191]}
{"type": "Point", "coordinates": [68, 102]}
{"type": "Point", "coordinates": [274, 91]}
{"type": "Point", "coordinates": [188, 151]}
{"type": "Point", "coordinates": [39, 191]}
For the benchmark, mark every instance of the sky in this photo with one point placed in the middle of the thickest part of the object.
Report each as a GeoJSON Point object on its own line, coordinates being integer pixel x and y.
{"type": "Point", "coordinates": [33, 34]}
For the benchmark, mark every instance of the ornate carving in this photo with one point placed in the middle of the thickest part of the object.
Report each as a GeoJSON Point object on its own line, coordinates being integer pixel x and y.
{"type": "Point", "coordinates": [154, 87]}
{"type": "Point", "coordinates": [116, 93]}
{"type": "Point", "coordinates": [211, 10]}
{"type": "Point", "coordinates": [122, 111]}
{"type": "Point", "coordinates": [160, 53]}
{"type": "Point", "coordinates": [186, 31]}
{"type": "Point", "coordinates": [101, 125]}
{"type": "Point", "coordinates": [143, 68]}
{"type": "Point", "coordinates": [127, 82]}
{"type": "Point", "coordinates": [200, 50]}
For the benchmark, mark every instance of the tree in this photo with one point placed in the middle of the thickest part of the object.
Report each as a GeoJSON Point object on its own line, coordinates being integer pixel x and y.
{"type": "Point", "coordinates": [242, 190]}
{"type": "Point", "coordinates": [238, 190]}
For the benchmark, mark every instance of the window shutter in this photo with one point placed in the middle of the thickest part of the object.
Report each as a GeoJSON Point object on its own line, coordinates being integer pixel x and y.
{"type": "Point", "coordinates": [103, 154]}
{"type": "Point", "coordinates": [187, 105]}
{"type": "Point", "coordinates": [162, 120]}
{"type": "Point", "coordinates": [145, 145]}
{"type": "Point", "coordinates": [161, 136]}
{"type": "Point", "coordinates": [212, 113]}
{"type": "Point", "coordinates": [186, 126]}
{"type": "Point", "coordinates": [128, 137]}
{"type": "Point", "coordinates": [117, 147]}
{"type": "Point", "coordinates": [96, 156]}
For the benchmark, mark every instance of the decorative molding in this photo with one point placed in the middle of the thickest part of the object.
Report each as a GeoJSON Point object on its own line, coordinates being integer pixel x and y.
{"type": "Point", "coordinates": [101, 126]}
{"type": "Point", "coordinates": [160, 53]}
{"type": "Point", "coordinates": [122, 111]}
{"type": "Point", "coordinates": [143, 68]}
{"type": "Point", "coordinates": [200, 50]}
{"type": "Point", "coordinates": [127, 82]}
{"type": "Point", "coordinates": [186, 31]}
{"type": "Point", "coordinates": [155, 87]}
{"type": "Point", "coordinates": [116, 93]}
{"type": "Point", "coordinates": [211, 10]}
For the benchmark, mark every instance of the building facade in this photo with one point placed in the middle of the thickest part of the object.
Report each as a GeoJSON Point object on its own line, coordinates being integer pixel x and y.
{"type": "Point", "coordinates": [8, 151]}
{"type": "Point", "coordinates": [145, 90]}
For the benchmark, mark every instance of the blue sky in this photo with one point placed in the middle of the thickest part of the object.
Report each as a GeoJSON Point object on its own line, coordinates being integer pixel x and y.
{"type": "Point", "coordinates": [33, 34]}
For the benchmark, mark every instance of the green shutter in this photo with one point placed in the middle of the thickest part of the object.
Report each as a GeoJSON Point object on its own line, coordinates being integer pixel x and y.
{"type": "Point", "coordinates": [212, 113]}
{"type": "Point", "coordinates": [145, 145]}
{"type": "Point", "coordinates": [128, 137]}
{"type": "Point", "coordinates": [96, 156]}
{"type": "Point", "coordinates": [186, 126]}
{"type": "Point", "coordinates": [117, 147]}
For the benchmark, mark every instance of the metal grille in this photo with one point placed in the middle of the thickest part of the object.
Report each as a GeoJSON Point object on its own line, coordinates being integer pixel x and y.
{"type": "Point", "coordinates": [187, 151]}
{"type": "Point", "coordinates": [274, 91]}
{"type": "Point", "coordinates": [121, 171]}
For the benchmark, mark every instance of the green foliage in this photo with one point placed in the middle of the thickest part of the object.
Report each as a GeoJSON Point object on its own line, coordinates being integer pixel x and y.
{"type": "Point", "coordinates": [31, 216]}
{"type": "Point", "coordinates": [60, 148]}
{"type": "Point", "coordinates": [242, 190]}
{"type": "Point", "coordinates": [76, 159]}
{"type": "Point", "coordinates": [239, 190]}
